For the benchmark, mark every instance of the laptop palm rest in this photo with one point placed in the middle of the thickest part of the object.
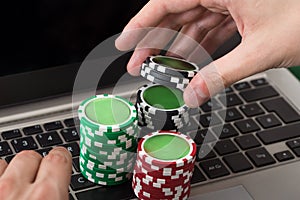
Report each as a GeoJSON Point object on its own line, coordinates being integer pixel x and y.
{"type": "Point", "coordinates": [233, 193]}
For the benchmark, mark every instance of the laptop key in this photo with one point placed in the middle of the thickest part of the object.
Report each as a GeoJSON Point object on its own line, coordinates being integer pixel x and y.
{"type": "Point", "coordinates": [237, 162]}
{"type": "Point", "coordinates": [247, 142]}
{"type": "Point", "coordinates": [44, 152]}
{"type": "Point", "coordinates": [197, 177]}
{"type": "Point", "coordinates": [73, 148]}
{"type": "Point", "coordinates": [71, 197]}
{"type": "Point", "coordinates": [53, 126]}
{"type": "Point", "coordinates": [225, 147]}
{"type": "Point", "coordinates": [49, 139]}
{"type": "Point", "coordinates": [231, 114]}
{"type": "Point", "coordinates": [70, 134]}
{"type": "Point", "coordinates": [202, 136]}
{"type": "Point", "coordinates": [71, 122]}
{"type": "Point", "coordinates": [260, 157]}
{"type": "Point", "coordinates": [259, 82]}
{"type": "Point", "coordinates": [283, 109]}
{"type": "Point", "coordinates": [214, 168]}
{"type": "Point", "coordinates": [259, 93]}
{"type": "Point", "coordinates": [5, 149]}
{"type": "Point", "coordinates": [7, 135]}
{"type": "Point", "coordinates": [26, 143]}
{"type": "Point", "coordinates": [247, 126]}
{"type": "Point", "coordinates": [251, 110]}
{"type": "Point", "coordinates": [118, 192]}
{"type": "Point", "coordinates": [228, 90]}
{"type": "Point", "coordinates": [284, 156]}
{"type": "Point", "coordinates": [76, 164]}
{"type": "Point", "coordinates": [9, 158]}
{"type": "Point", "coordinates": [32, 130]}
{"type": "Point", "coordinates": [211, 104]}
{"type": "Point", "coordinates": [78, 182]}
{"type": "Point", "coordinates": [209, 119]}
{"type": "Point", "coordinates": [204, 152]}
{"type": "Point", "coordinates": [242, 86]}
{"type": "Point", "coordinates": [226, 131]}
{"type": "Point", "coordinates": [293, 144]}
{"type": "Point", "coordinates": [279, 134]}
{"type": "Point", "coordinates": [296, 152]}
{"type": "Point", "coordinates": [268, 121]}
{"type": "Point", "coordinates": [230, 100]}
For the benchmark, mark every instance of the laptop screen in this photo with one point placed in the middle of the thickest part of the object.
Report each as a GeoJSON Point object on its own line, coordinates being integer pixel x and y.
{"type": "Point", "coordinates": [44, 42]}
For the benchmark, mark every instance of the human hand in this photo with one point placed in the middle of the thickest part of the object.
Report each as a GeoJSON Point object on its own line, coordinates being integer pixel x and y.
{"type": "Point", "coordinates": [29, 176]}
{"type": "Point", "coordinates": [270, 32]}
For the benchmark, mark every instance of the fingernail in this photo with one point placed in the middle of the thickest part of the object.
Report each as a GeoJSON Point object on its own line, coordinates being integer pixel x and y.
{"type": "Point", "coordinates": [61, 152]}
{"type": "Point", "coordinates": [193, 96]}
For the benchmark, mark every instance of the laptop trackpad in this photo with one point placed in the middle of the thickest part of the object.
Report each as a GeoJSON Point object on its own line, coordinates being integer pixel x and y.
{"type": "Point", "coordinates": [238, 192]}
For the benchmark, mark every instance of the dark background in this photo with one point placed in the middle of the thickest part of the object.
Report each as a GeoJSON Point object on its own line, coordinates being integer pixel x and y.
{"type": "Point", "coordinates": [43, 42]}
{"type": "Point", "coordinates": [47, 33]}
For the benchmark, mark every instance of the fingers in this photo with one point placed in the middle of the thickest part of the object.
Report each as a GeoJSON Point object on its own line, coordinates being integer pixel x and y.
{"type": "Point", "coordinates": [196, 32]}
{"type": "Point", "coordinates": [157, 14]}
{"type": "Point", "coordinates": [217, 36]}
{"type": "Point", "coordinates": [234, 66]}
{"type": "Point", "coordinates": [156, 39]}
{"type": "Point", "coordinates": [3, 166]}
{"type": "Point", "coordinates": [212, 41]}
{"type": "Point", "coordinates": [23, 167]}
{"type": "Point", "coordinates": [56, 167]}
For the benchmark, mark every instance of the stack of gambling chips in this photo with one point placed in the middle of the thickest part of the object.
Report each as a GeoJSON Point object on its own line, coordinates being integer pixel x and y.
{"type": "Point", "coordinates": [169, 71]}
{"type": "Point", "coordinates": [161, 108]}
{"type": "Point", "coordinates": [164, 166]}
{"type": "Point", "coordinates": [108, 139]}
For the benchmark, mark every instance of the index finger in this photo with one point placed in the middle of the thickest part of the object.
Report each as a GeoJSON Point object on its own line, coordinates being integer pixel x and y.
{"type": "Point", "coordinates": [56, 168]}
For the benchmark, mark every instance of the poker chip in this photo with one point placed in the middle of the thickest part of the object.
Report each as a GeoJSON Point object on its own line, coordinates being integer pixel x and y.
{"type": "Point", "coordinates": [154, 79]}
{"type": "Point", "coordinates": [164, 166]}
{"type": "Point", "coordinates": [161, 108]}
{"type": "Point", "coordinates": [172, 66]}
{"type": "Point", "coordinates": [108, 139]}
{"type": "Point", "coordinates": [163, 76]}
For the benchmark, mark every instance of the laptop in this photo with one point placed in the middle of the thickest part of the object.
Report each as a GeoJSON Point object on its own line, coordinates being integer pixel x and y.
{"type": "Point", "coordinates": [255, 157]}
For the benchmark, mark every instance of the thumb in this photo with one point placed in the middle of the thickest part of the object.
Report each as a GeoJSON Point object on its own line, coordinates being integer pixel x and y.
{"type": "Point", "coordinates": [243, 61]}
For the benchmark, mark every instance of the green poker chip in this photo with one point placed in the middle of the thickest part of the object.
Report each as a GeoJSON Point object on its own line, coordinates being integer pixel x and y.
{"type": "Point", "coordinates": [127, 167]}
{"type": "Point", "coordinates": [108, 139]}
{"type": "Point", "coordinates": [113, 180]}
{"type": "Point", "coordinates": [121, 138]}
{"type": "Point", "coordinates": [107, 113]}
{"type": "Point", "coordinates": [116, 158]}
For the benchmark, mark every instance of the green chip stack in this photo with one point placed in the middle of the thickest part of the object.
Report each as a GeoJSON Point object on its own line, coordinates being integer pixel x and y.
{"type": "Point", "coordinates": [108, 142]}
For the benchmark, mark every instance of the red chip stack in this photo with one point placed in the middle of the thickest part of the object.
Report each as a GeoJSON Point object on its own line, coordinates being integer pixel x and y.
{"type": "Point", "coordinates": [156, 178]}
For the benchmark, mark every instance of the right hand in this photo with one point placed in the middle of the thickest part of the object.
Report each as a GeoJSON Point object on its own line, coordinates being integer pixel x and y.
{"type": "Point", "coordinates": [270, 31]}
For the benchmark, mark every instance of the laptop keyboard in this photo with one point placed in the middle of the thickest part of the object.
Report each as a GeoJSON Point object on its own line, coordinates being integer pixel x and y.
{"type": "Point", "coordinates": [255, 116]}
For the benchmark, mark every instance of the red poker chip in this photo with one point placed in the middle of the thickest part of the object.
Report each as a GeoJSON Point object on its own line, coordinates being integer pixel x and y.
{"type": "Point", "coordinates": [149, 167]}
{"type": "Point", "coordinates": [182, 196]}
{"type": "Point", "coordinates": [171, 184]}
{"type": "Point", "coordinates": [166, 172]}
{"type": "Point", "coordinates": [161, 179]}
{"type": "Point", "coordinates": [164, 190]}
{"type": "Point", "coordinates": [164, 183]}
{"type": "Point", "coordinates": [142, 155]}
{"type": "Point", "coordinates": [161, 164]}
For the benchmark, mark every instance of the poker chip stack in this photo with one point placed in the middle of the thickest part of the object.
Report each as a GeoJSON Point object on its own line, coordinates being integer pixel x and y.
{"type": "Point", "coordinates": [161, 108]}
{"type": "Point", "coordinates": [169, 71]}
{"type": "Point", "coordinates": [108, 139]}
{"type": "Point", "coordinates": [164, 166]}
